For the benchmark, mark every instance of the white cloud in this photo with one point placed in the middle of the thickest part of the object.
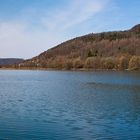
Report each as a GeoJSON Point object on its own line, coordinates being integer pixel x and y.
{"type": "Point", "coordinates": [20, 38]}
{"type": "Point", "coordinates": [77, 12]}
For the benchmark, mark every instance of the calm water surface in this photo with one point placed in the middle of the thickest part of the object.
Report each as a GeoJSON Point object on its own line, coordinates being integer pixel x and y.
{"type": "Point", "coordinates": [51, 105]}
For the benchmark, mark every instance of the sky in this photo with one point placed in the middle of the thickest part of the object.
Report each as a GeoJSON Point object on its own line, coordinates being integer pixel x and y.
{"type": "Point", "coordinates": [30, 27]}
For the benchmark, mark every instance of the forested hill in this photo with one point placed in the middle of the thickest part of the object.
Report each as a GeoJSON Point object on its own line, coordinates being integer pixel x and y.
{"type": "Point", "coordinates": [108, 50]}
{"type": "Point", "coordinates": [9, 61]}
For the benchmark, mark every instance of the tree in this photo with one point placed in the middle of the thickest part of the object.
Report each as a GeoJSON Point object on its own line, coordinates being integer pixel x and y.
{"type": "Point", "coordinates": [77, 63]}
{"type": "Point", "coordinates": [92, 63]}
{"type": "Point", "coordinates": [68, 65]}
{"type": "Point", "coordinates": [134, 63]}
{"type": "Point", "coordinates": [90, 53]}
{"type": "Point", "coordinates": [108, 63]}
{"type": "Point", "coordinates": [123, 63]}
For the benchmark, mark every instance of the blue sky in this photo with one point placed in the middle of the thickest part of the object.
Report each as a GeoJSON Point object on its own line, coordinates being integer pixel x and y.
{"type": "Point", "coordinates": [29, 27]}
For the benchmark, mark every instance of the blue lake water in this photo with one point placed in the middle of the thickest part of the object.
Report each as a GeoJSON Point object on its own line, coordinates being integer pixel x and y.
{"type": "Point", "coordinates": [55, 105]}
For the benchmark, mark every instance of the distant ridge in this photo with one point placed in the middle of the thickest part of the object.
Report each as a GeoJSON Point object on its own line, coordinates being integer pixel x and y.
{"type": "Point", "coordinates": [119, 50]}
{"type": "Point", "coordinates": [9, 61]}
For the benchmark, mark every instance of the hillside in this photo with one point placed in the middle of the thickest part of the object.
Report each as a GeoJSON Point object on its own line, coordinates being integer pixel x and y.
{"type": "Point", "coordinates": [9, 61]}
{"type": "Point", "coordinates": [118, 50]}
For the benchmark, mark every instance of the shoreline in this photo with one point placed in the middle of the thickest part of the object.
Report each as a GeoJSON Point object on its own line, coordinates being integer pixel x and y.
{"type": "Point", "coordinates": [82, 69]}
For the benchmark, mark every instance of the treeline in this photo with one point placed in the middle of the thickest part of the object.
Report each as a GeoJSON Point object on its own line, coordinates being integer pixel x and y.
{"type": "Point", "coordinates": [111, 50]}
{"type": "Point", "coordinates": [126, 62]}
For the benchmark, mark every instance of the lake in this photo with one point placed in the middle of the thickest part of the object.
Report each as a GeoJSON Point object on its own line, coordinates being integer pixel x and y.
{"type": "Point", "coordinates": [63, 105]}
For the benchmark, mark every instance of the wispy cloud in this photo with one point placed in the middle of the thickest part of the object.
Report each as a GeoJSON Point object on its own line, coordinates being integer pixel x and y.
{"type": "Point", "coordinates": [77, 12]}
{"type": "Point", "coordinates": [33, 33]}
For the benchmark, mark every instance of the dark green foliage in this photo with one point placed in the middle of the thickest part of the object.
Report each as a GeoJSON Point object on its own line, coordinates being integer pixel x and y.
{"type": "Point", "coordinates": [90, 53]}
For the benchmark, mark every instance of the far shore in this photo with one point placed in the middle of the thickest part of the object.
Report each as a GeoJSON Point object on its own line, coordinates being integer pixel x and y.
{"type": "Point", "coordinates": [82, 69]}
